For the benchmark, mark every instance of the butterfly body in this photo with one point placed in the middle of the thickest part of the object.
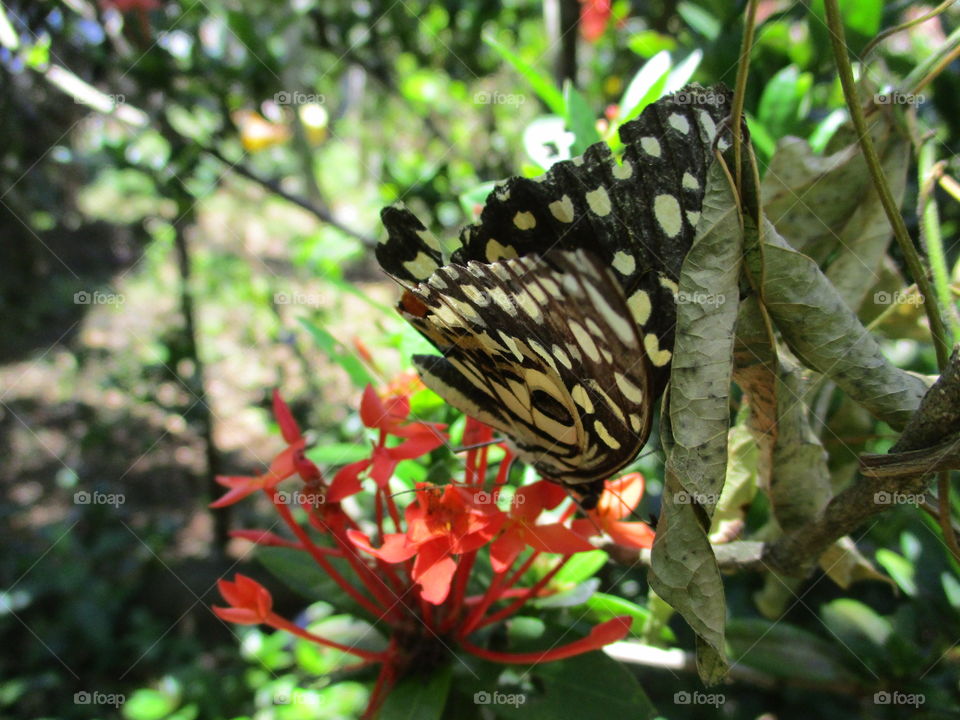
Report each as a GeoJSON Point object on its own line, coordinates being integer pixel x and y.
{"type": "Point", "coordinates": [555, 316]}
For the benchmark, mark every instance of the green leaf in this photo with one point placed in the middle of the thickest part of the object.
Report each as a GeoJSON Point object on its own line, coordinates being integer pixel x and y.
{"type": "Point", "coordinates": [148, 704]}
{"type": "Point", "coordinates": [821, 330]}
{"type": "Point", "coordinates": [645, 87]}
{"type": "Point", "coordinates": [680, 75]}
{"type": "Point", "coordinates": [541, 83]}
{"type": "Point", "coordinates": [649, 42]}
{"type": "Point", "coordinates": [595, 685]}
{"type": "Point", "coordinates": [951, 588]}
{"type": "Point", "coordinates": [853, 622]}
{"type": "Point", "coordinates": [417, 697]}
{"type": "Point", "coordinates": [580, 119]}
{"type": "Point", "coordinates": [825, 129]}
{"type": "Point", "coordinates": [861, 17]}
{"type": "Point", "coordinates": [784, 651]}
{"type": "Point", "coordinates": [694, 427]}
{"type": "Point", "coordinates": [571, 597]}
{"type": "Point", "coordinates": [699, 20]}
{"type": "Point", "coordinates": [476, 196]}
{"type": "Point", "coordinates": [900, 569]}
{"type": "Point", "coordinates": [338, 453]}
{"type": "Point", "coordinates": [338, 354]}
{"type": "Point", "coordinates": [8, 36]}
{"type": "Point", "coordinates": [783, 100]}
{"type": "Point", "coordinates": [581, 567]}
{"type": "Point", "coordinates": [605, 607]}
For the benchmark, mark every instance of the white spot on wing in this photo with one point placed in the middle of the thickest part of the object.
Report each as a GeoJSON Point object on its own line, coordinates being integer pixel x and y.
{"type": "Point", "coordinates": [657, 356]}
{"type": "Point", "coordinates": [562, 209]}
{"type": "Point", "coordinates": [630, 391]}
{"type": "Point", "coordinates": [608, 439]}
{"type": "Point", "coordinates": [524, 221]}
{"type": "Point", "coordinates": [690, 182]}
{"type": "Point", "coordinates": [666, 210]}
{"type": "Point", "coordinates": [624, 263]}
{"type": "Point", "coordinates": [639, 304]}
{"type": "Point", "coordinates": [624, 171]}
{"type": "Point", "coordinates": [422, 266]}
{"type": "Point", "coordinates": [651, 146]}
{"type": "Point", "coordinates": [429, 239]}
{"type": "Point", "coordinates": [495, 251]}
{"type": "Point", "coordinates": [599, 201]}
{"type": "Point", "coordinates": [585, 341]}
{"type": "Point", "coordinates": [679, 123]}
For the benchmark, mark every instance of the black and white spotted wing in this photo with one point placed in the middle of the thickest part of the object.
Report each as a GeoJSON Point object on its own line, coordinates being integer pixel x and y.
{"type": "Point", "coordinates": [544, 350]}
{"type": "Point", "coordinates": [638, 215]}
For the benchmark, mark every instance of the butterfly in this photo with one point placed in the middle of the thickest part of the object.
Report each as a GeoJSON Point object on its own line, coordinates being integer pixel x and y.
{"type": "Point", "coordinates": [555, 315]}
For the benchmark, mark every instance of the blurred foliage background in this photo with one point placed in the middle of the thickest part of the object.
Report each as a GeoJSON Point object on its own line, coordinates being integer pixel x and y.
{"type": "Point", "coordinates": [189, 197]}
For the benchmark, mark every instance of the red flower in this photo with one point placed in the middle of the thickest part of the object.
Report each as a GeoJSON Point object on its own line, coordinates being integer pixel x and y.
{"type": "Point", "coordinates": [521, 529]}
{"type": "Point", "coordinates": [441, 524]}
{"type": "Point", "coordinates": [594, 16]}
{"type": "Point", "coordinates": [389, 417]}
{"type": "Point", "coordinates": [288, 463]}
{"type": "Point", "coordinates": [250, 602]}
{"type": "Point", "coordinates": [618, 500]}
{"type": "Point", "coordinates": [416, 583]}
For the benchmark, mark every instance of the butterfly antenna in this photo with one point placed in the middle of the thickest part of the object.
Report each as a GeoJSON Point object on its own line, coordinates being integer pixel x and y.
{"type": "Point", "coordinates": [477, 446]}
{"type": "Point", "coordinates": [622, 502]}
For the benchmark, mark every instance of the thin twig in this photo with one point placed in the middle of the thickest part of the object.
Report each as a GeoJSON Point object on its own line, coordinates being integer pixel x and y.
{"type": "Point", "coordinates": [739, 92]}
{"type": "Point", "coordinates": [914, 264]}
{"type": "Point", "coordinates": [903, 26]}
{"type": "Point", "coordinates": [275, 188]}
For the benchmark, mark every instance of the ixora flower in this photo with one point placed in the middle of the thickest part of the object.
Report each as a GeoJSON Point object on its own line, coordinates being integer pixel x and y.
{"type": "Point", "coordinates": [438, 572]}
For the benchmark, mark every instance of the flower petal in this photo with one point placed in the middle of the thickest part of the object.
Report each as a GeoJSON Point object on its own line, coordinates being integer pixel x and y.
{"type": "Point", "coordinates": [288, 426]}
{"type": "Point", "coordinates": [505, 549]}
{"type": "Point", "coordinates": [346, 482]}
{"type": "Point", "coordinates": [556, 538]}
{"type": "Point", "coordinates": [372, 412]}
{"type": "Point", "coordinates": [631, 534]}
{"type": "Point", "coordinates": [621, 496]}
{"type": "Point", "coordinates": [395, 547]}
{"type": "Point", "coordinates": [433, 570]}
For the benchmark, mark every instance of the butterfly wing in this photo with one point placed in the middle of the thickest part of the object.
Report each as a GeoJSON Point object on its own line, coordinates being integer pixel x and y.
{"type": "Point", "coordinates": [638, 214]}
{"type": "Point", "coordinates": [543, 350]}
